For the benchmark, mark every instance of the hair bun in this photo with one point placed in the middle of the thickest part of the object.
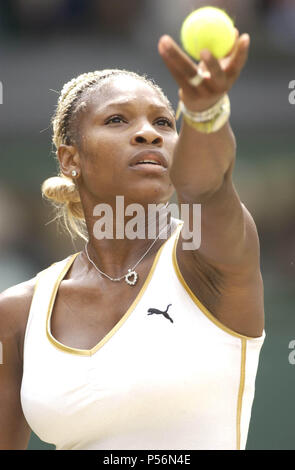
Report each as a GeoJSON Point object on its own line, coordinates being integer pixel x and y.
{"type": "Point", "coordinates": [64, 194]}
{"type": "Point", "coordinates": [61, 190]}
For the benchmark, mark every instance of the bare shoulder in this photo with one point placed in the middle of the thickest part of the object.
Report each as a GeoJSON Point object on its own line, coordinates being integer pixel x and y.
{"type": "Point", "coordinates": [15, 305]}
{"type": "Point", "coordinates": [231, 289]}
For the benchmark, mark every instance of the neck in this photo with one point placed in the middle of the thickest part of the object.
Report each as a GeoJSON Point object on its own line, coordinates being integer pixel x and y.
{"type": "Point", "coordinates": [117, 240]}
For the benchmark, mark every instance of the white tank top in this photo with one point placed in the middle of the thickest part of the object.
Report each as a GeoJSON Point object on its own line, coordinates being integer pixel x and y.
{"type": "Point", "coordinates": [173, 380]}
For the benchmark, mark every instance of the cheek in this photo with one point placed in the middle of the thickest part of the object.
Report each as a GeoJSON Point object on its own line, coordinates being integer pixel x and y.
{"type": "Point", "coordinates": [95, 151]}
{"type": "Point", "coordinates": [171, 144]}
{"type": "Point", "coordinates": [100, 164]}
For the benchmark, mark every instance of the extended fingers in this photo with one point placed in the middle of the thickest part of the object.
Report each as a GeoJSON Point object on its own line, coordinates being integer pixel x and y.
{"type": "Point", "coordinates": [180, 65]}
{"type": "Point", "coordinates": [218, 75]}
{"type": "Point", "coordinates": [225, 71]}
{"type": "Point", "coordinates": [239, 57]}
{"type": "Point", "coordinates": [218, 79]}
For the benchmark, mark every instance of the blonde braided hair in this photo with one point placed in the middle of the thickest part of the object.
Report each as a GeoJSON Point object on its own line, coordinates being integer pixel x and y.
{"type": "Point", "coordinates": [61, 190]}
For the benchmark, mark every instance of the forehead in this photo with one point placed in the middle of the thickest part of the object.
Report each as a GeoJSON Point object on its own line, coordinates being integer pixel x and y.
{"type": "Point", "coordinates": [122, 90]}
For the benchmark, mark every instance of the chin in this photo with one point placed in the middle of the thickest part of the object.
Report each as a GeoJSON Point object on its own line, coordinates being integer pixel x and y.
{"type": "Point", "coordinates": [151, 193]}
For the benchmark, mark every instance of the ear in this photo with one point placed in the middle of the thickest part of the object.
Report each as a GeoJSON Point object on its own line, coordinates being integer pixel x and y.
{"type": "Point", "coordinates": [69, 160]}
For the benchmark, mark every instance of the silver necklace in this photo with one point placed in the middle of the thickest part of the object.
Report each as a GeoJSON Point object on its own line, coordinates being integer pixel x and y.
{"type": "Point", "coordinates": [131, 276]}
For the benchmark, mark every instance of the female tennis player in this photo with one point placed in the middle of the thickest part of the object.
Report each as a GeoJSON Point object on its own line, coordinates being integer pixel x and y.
{"type": "Point", "coordinates": [139, 343]}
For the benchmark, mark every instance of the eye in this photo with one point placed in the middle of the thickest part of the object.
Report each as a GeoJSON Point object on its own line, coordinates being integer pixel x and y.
{"type": "Point", "coordinates": [164, 122]}
{"type": "Point", "coordinates": [115, 120]}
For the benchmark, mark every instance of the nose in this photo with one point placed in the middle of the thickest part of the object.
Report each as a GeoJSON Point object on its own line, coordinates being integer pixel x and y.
{"type": "Point", "coordinates": [147, 135]}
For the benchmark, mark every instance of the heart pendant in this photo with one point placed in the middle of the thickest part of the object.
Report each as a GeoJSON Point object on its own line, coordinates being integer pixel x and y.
{"type": "Point", "coordinates": [131, 277]}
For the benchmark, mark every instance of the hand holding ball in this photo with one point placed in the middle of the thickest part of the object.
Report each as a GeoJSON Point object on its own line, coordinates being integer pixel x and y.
{"type": "Point", "coordinates": [208, 28]}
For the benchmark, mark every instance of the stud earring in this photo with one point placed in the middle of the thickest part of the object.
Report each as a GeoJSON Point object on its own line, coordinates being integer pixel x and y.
{"type": "Point", "coordinates": [74, 173]}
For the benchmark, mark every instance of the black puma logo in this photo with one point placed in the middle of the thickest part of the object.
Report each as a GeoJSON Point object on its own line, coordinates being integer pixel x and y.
{"type": "Point", "coordinates": [151, 311]}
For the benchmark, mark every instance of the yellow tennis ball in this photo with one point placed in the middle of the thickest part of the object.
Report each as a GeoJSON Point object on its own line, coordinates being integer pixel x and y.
{"type": "Point", "coordinates": [208, 28]}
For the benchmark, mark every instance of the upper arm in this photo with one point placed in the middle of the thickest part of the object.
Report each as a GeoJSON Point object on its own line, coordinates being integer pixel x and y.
{"type": "Point", "coordinates": [14, 308]}
{"type": "Point", "coordinates": [228, 234]}
{"type": "Point", "coordinates": [224, 272]}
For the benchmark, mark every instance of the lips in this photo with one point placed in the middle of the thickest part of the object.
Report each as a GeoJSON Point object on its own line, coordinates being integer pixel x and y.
{"type": "Point", "coordinates": [149, 157]}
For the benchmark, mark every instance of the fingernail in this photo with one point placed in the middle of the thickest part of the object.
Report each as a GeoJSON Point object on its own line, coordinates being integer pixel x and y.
{"type": "Point", "coordinates": [246, 39]}
{"type": "Point", "coordinates": [164, 43]}
{"type": "Point", "coordinates": [205, 54]}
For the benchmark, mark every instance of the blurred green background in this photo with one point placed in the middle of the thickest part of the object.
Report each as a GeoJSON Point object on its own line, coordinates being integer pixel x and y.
{"type": "Point", "coordinates": [44, 44]}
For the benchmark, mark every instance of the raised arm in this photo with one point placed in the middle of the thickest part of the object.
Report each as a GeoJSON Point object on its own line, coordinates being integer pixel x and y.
{"type": "Point", "coordinates": [227, 263]}
{"type": "Point", "coordinates": [203, 163]}
{"type": "Point", "coordinates": [14, 308]}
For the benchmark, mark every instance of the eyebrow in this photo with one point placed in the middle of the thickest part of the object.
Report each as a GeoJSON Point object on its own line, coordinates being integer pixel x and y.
{"type": "Point", "coordinates": [128, 104]}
